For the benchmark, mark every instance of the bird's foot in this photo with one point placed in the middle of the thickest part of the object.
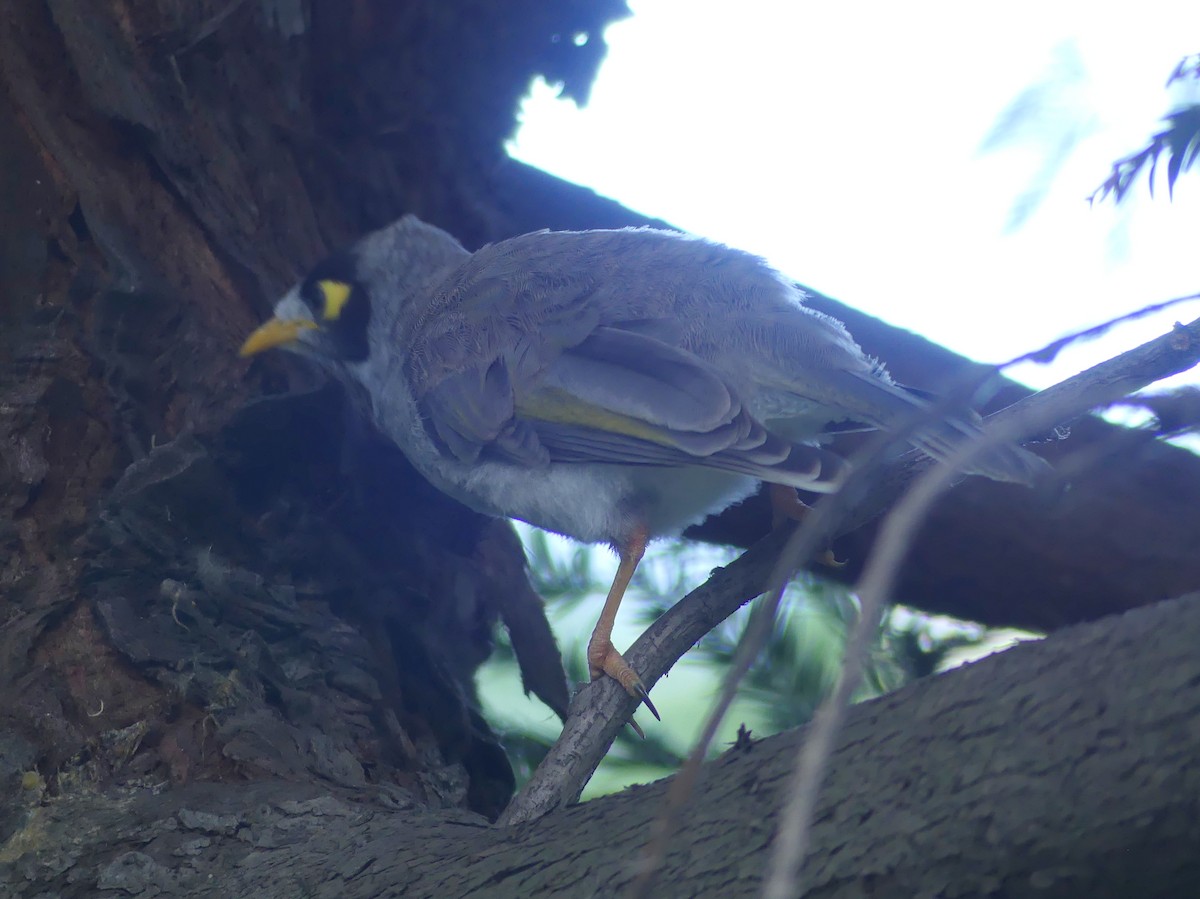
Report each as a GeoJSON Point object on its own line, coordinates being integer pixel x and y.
{"type": "Point", "coordinates": [786, 505]}
{"type": "Point", "coordinates": [603, 659]}
{"type": "Point", "coordinates": [829, 560]}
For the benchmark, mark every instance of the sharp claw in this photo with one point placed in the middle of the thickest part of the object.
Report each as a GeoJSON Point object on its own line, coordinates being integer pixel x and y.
{"type": "Point", "coordinates": [641, 693]}
{"type": "Point", "coordinates": [829, 560]}
{"type": "Point", "coordinates": [636, 729]}
{"type": "Point", "coordinates": [610, 662]}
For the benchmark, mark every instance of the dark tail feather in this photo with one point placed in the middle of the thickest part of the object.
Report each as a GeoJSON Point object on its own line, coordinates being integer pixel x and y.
{"type": "Point", "coordinates": [888, 405]}
{"type": "Point", "coordinates": [1002, 462]}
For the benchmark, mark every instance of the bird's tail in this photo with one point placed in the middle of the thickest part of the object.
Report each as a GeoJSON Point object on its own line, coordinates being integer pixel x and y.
{"type": "Point", "coordinates": [886, 405]}
{"type": "Point", "coordinates": [1000, 462]}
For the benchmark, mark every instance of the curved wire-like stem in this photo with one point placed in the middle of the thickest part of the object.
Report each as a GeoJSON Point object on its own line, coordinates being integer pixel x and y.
{"type": "Point", "coordinates": [896, 536]}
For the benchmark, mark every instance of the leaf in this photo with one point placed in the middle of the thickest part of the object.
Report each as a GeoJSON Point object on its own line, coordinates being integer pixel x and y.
{"type": "Point", "coordinates": [1188, 66]}
{"type": "Point", "coordinates": [1181, 136]}
{"type": "Point", "coordinates": [1180, 139]}
{"type": "Point", "coordinates": [1173, 166]}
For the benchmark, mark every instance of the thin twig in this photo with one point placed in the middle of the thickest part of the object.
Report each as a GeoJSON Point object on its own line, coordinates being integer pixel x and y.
{"type": "Point", "coordinates": [896, 535]}
{"type": "Point", "coordinates": [1050, 351]}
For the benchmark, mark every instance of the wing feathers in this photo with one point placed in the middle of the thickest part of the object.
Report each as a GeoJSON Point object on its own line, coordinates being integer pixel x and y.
{"type": "Point", "coordinates": [805, 467]}
{"type": "Point", "coordinates": [617, 397]}
{"type": "Point", "coordinates": [644, 378]}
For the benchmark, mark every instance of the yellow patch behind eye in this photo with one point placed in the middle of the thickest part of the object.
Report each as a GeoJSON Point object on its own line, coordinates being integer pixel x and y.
{"type": "Point", "coordinates": [334, 295]}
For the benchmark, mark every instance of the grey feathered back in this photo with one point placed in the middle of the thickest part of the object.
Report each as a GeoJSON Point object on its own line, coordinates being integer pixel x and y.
{"type": "Point", "coordinates": [632, 346]}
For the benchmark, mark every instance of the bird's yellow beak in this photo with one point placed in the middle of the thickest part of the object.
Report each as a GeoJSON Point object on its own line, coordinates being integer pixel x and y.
{"type": "Point", "coordinates": [278, 332]}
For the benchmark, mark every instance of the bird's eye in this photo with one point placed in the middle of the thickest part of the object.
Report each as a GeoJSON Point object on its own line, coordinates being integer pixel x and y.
{"type": "Point", "coordinates": [334, 295]}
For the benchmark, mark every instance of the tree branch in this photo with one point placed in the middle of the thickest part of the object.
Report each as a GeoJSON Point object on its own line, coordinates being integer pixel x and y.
{"type": "Point", "coordinates": [600, 708]}
{"type": "Point", "coordinates": [1080, 749]}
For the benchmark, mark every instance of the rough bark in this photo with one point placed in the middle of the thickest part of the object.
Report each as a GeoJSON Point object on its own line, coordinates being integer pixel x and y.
{"type": "Point", "coordinates": [1069, 767]}
{"type": "Point", "coordinates": [167, 168]}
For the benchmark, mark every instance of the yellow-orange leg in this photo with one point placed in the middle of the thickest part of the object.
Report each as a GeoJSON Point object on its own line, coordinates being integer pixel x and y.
{"type": "Point", "coordinates": [787, 506]}
{"type": "Point", "coordinates": [603, 657]}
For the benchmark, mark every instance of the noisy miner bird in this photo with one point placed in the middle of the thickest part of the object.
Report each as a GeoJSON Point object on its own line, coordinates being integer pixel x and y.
{"type": "Point", "coordinates": [613, 386]}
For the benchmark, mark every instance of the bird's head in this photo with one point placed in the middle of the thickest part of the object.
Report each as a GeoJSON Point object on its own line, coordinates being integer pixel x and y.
{"type": "Point", "coordinates": [325, 315]}
{"type": "Point", "coordinates": [363, 288]}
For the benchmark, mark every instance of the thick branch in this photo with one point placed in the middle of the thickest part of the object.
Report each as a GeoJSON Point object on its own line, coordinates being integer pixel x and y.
{"type": "Point", "coordinates": [1080, 749]}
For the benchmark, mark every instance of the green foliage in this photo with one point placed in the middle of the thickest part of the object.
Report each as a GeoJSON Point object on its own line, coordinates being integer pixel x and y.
{"type": "Point", "coordinates": [1179, 141]}
{"type": "Point", "coordinates": [795, 671]}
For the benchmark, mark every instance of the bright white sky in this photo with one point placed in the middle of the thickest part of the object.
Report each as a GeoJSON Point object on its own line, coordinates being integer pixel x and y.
{"type": "Point", "coordinates": [845, 143]}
